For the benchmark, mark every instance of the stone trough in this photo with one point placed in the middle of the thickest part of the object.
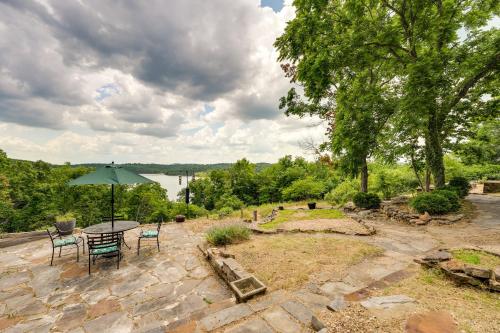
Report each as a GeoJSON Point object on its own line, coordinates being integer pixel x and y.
{"type": "Point", "coordinates": [243, 284]}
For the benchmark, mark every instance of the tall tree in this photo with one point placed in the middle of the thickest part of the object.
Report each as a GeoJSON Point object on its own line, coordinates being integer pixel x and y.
{"type": "Point", "coordinates": [445, 60]}
{"type": "Point", "coordinates": [343, 83]}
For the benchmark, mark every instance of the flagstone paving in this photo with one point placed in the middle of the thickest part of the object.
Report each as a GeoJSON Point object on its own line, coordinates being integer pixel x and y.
{"type": "Point", "coordinates": [148, 291]}
{"type": "Point", "coordinates": [175, 291]}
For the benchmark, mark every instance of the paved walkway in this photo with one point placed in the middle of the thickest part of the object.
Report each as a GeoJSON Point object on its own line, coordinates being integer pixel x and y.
{"type": "Point", "coordinates": [173, 291]}
{"type": "Point", "coordinates": [149, 291]}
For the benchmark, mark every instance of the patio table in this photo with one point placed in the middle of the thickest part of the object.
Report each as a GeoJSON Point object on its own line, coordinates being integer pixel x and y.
{"type": "Point", "coordinates": [107, 228]}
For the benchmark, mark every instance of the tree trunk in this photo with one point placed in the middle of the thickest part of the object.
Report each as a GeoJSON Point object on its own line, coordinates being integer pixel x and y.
{"type": "Point", "coordinates": [415, 169]}
{"type": "Point", "coordinates": [434, 151]}
{"type": "Point", "coordinates": [427, 179]}
{"type": "Point", "coordinates": [364, 176]}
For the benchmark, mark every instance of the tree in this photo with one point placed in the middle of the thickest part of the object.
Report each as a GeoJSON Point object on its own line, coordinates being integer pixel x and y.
{"type": "Point", "coordinates": [341, 82]}
{"type": "Point", "coordinates": [484, 144]}
{"type": "Point", "coordinates": [441, 79]}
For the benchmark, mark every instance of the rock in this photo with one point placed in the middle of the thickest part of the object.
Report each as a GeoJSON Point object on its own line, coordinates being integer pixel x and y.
{"type": "Point", "coordinates": [464, 278]}
{"type": "Point", "coordinates": [349, 207]}
{"type": "Point", "coordinates": [477, 272]}
{"type": "Point", "coordinates": [495, 273]}
{"type": "Point", "coordinates": [438, 256]}
{"type": "Point", "coordinates": [399, 200]}
{"type": "Point", "coordinates": [226, 316]}
{"type": "Point", "coordinates": [425, 217]}
{"type": "Point", "coordinates": [73, 316]}
{"type": "Point", "coordinates": [251, 326]}
{"type": "Point", "coordinates": [280, 321]}
{"type": "Point", "coordinates": [454, 218]}
{"type": "Point", "coordinates": [113, 322]}
{"type": "Point", "coordinates": [337, 304]}
{"type": "Point", "coordinates": [418, 222]}
{"type": "Point", "coordinates": [431, 322]}
{"type": "Point", "coordinates": [299, 311]}
{"type": "Point", "coordinates": [386, 302]}
{"type": "Point", "coordinates": [494, 285]}
{"type": "Point", "coordinates": [453, 265]}
{"type": "Point", "coordinates": [316, 324]}
{"type": "Point", "coordinates": [324, 330]}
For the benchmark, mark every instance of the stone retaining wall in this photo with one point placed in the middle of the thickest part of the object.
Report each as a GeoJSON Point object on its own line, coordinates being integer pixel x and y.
{"type": "Point", "coordinates": [11, 239]}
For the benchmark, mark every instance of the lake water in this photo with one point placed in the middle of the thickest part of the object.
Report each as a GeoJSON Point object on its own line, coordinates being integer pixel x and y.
{"type": "Point", "coordinates": [170, 183]}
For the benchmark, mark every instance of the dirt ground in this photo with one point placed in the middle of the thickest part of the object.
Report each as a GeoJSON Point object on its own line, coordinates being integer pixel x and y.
{"type": "Point", "coordinates": [289, 261]}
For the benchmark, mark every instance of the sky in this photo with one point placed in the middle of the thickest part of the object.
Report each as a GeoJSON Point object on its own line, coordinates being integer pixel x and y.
{"type": "Point", "coordinates": [189, 81]}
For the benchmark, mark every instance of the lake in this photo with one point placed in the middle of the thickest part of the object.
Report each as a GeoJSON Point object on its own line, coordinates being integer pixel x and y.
{"type": "Point", "coordinates": [170, 183]}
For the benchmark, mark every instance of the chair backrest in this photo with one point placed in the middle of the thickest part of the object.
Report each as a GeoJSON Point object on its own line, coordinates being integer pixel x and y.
{"type": "Point", "coordinates": [117, 218]}
{"type": "Point", "coordinates": [103, 240]}
{"type": "Point", "coordinates": [159, 224]}
{"type": "Point", "coordinates": [53, 234]}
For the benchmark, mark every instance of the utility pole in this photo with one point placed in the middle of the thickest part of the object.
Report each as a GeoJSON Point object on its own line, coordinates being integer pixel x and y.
{"type": "Point", "coordinates": [187, 194]}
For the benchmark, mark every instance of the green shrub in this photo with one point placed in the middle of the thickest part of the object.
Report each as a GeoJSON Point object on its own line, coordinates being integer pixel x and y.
{"type": "Point", "coordinates": [229, 200]}
{"type": "Point", "coordinates": [225, 211]}
{"type": "Point", "coordinates": [66, 217]}
{"type": "Point", "coordinates": [432, 203]}
{"type": "Point", "coordinates": [344, 192]}
{"type": "Point", "coordinates": [366, 200]}
{"type": "Point", "coordinates": [180, 208]}
{"type": "Point", "coordinates": [461, 184]}
{"type": "Point", "coordinates": [303, 189]}
{"type": "Point", "coordinates": [451, 196]}
{"type": "Point", "coordinates": [227, 234]}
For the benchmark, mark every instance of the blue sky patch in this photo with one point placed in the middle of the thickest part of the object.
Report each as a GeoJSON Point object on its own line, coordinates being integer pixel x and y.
{"type": "Point", "coordinates": [276, 5]}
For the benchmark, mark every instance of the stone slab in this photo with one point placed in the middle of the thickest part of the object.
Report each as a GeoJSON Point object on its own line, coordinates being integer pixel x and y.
{"type": "Point", "coordinates": [251, 326]}
{"type": "Point", "coordinates": [386, 302]}
{"type": "Point", "coordinates": [226, 316]}
{"type": "Point", "coordinates": [280, 321]}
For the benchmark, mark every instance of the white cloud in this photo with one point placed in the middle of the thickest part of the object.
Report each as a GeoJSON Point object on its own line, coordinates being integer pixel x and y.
{"type": "Point", "coordinates": [187, 81]}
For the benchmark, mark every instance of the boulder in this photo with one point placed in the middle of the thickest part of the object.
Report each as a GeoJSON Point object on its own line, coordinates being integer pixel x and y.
{"type": "Point", "coordinates": [349, 207]}
{"type": "Point", "coordinates": [316, 324]}
{"type": "Point", "coordinates": [431, 322]}
{"type": "Point", "coordinates": [494, 285]}
{"type": "Point", "coordinates": [425, 217]}
{"type": "Point", "coordinates": [477, 272]}
{"type": "Point", "coordinates": [495, 273]}
{"type": "Point", "coordinates": [438, 256]}
{"type": "Point", "coordinates": [454, 218]}
{"type": "Point", "coordinates": [453, 266]}
{"type": "Point", "coordinates": [337, 304]}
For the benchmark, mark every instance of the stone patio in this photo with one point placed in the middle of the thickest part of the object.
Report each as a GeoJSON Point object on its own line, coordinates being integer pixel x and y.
{"type": "Point", "coordinates": [149, 291]}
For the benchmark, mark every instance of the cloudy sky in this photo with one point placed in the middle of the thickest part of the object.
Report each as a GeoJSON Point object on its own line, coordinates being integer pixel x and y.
{"type": "Point", "coordinates": [145, 81]}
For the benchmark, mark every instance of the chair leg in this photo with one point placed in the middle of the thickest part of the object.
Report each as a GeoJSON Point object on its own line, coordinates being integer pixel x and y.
{"type": "Point", "coordinates": [138, 245]}
{"type": "Point", "coordinates": [118, 260]}
{"type": "Point", "coordinates": [52, 260]}
{"type": "Point", "coordinates": [158, 243]}
{"type": "Point", "coordinates": [60, 249]}
{"type": "Point", "coordinates": [83, 243]}
{"type": "Point", "coordinates": [77, 253]}
{"type": "Point", "coordinates": [89, 262]}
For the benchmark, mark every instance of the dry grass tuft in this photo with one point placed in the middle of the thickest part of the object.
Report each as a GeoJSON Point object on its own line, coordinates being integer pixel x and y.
{"type": "Point", "coordinates": [288, 261]}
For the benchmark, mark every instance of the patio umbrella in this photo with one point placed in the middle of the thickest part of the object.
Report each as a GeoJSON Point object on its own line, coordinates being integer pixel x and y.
{"type": "Point", "coordinates": [113, 175]}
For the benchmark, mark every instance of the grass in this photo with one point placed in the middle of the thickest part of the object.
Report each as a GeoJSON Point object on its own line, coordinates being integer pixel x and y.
{"type": "Point", "coordinates": [301, 215]}
{"type": "Point", "coordinates": [288, 261]}
{"type": "Point", "coordinates": [229, 234]}
{"type": "Point", "coordinates": [475, 310]}
{"type": "Point", "coordinates": [474, 257]}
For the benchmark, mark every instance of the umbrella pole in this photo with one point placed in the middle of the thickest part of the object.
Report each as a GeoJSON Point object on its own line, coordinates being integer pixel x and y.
{"type": "Point", "coordinates": [112, 206]}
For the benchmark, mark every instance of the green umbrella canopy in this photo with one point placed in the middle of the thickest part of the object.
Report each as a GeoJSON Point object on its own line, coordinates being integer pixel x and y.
{"type": "Point", "coordinates": [111, 175]}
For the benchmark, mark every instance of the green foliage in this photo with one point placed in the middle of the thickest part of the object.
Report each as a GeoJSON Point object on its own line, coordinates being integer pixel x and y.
{"type": "Point", "coordinates": [455, 168]}
{"type": "Point", "coordinates": [366, 200]}
{"type": "Point", "coordinates": [451, 196]}
{"type": "Point", "coordinates": [431, 203]}
{"type": "Point", "coordinates": [229, 201]}
{"type": "Point", "coordinates": [483, 146]}
{"type": "Point", "coordinates": [225, 211]}
{"type": "Point", "coordinates": [65, 217]}
{"type": "Point", "coordinates": [392, 180]}
{"type": "Point", "coordinates": [225, 235]}
{"type": "Point", "coordinates": [304, 189]}
{"type": "Point", "coordinates": [344, 192]}
{"type": "Point", "coordinates": [461, 185]}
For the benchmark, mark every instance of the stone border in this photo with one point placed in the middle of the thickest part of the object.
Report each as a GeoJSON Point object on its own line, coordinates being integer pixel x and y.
{"type": "Point", "coordinates": [11, 239]}
{"type": "Point", "coordinates": [463, 273]}
{"type": "Point", "coordinates": [232, 273]}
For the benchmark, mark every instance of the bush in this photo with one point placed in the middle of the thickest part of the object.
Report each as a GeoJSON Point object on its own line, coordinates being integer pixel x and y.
{"type": "Point", "coordinates": [461, 184]}
{"type": "Point", "coordinates": [302, 189]}
{"type": "Point", "coordinates": [229, 200]}
{"type": "Point", "coordinates": [225, 211]}
{"type": "Point", "coordinates": [432, 203]}
{"type": "Point", "coordinates": [366, 200]}
{"type": "Point", "coordinates": [227, 234]}
{"type": "Point", "coordinates": [451, 196]}
{"type": "Point", "coordinates": [344, 192]}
